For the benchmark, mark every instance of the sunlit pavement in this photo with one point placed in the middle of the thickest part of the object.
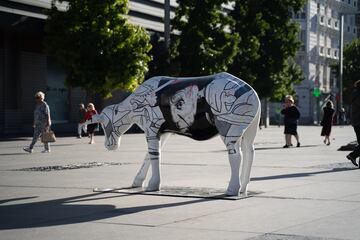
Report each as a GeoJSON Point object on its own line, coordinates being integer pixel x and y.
{"type": "Point", "coordinates": [311, 192]}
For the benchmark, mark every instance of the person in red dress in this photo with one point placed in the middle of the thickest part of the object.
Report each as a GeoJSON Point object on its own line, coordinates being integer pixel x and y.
{"type": "Point", "coordinates": [91, 111]}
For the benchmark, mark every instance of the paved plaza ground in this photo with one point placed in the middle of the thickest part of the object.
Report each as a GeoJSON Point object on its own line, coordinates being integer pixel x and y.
{"type": "Point", "coordinates": [311, 192]}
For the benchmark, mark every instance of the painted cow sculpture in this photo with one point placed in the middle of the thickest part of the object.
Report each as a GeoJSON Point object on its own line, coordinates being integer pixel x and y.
{"type": "Point", "coordinates": [197, 107]}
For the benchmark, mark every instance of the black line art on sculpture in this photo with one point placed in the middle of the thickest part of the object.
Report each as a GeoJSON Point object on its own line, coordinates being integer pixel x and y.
{"type": "Point", "coordinates": [197, 107]}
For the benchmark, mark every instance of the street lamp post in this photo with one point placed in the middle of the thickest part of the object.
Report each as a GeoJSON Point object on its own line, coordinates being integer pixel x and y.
{"type": "Point", "coordinates": [341, 57]}
{"type": "Point", "coordinates": [341, 54]}
{"type": "Point", "coordinates": [167, 23]}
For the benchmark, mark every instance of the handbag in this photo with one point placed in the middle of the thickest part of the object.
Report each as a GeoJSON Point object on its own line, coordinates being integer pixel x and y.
{"type": "Point", "coordinates": [48, 136]}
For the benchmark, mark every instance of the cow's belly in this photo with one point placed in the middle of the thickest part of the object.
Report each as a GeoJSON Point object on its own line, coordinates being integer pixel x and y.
{"type": "Point", "coordinates": [200, 130]}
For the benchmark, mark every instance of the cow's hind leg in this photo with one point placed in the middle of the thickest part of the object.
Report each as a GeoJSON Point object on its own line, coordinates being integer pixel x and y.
{"type": "Point", "coordinates": [141, 175]}
{"type": "Point", "coordinates": [247, 146]}
{"type": "Point", "coordinates": [234, 154]}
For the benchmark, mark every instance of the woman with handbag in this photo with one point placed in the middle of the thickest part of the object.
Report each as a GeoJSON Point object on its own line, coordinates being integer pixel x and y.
{"type": "Point", "coordinates": [91, 127]}
{"type": "Point", "coordinates": [42, 122]}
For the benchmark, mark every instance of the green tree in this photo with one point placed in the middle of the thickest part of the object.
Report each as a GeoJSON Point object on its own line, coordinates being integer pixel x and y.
{"type": "Point", "coordinates": [351, 70]}
{"type": "Point", "coordinates": [99, 49]}
{"type": "Point", "coordinates": [269, 39]}
{"type": "Point", "coordinates": [205, 46]}
{"type": "Point", "coordinates": [284, 80]}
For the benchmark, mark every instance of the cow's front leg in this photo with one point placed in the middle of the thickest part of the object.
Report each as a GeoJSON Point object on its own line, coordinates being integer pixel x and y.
{"type": "Point", "coordinates": [234, 154]}
{"type": "Point", "coordinates": [154, 157]}
{"type": "Point", "coordinates": [141, 175]}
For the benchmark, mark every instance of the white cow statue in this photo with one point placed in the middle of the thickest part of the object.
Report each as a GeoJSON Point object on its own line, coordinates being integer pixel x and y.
{"type": "Point", "coordinates": [197, 107]}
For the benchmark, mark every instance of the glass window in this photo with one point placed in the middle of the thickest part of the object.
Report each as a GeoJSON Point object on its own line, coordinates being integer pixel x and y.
{"type": "Point", "coordinates": [57, 93]}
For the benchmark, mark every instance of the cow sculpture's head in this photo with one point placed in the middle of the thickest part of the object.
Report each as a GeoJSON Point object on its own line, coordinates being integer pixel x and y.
{"type": "Point", "coordinates": [183, 107]}
{"type": "Point", "coordinates": [114, 122]}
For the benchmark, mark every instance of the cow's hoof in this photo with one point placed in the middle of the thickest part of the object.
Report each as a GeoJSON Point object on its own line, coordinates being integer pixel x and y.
{"type": "Point", "coordinates": [152, 189]}
{"type": "Point", "coordinates": [153, 185]}
{"type": "Point", "coordinates": [243, 193]}
{"type": "Point", "coordinates": [230, 192]}
{"type": "Point", "coordinates": [243, 190]}
{"type": "Point", "coordinates": [137, 184]}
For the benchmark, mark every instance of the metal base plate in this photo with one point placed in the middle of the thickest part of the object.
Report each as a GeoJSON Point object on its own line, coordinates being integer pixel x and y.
{"type": "Point", "coordinates": [187, 192]}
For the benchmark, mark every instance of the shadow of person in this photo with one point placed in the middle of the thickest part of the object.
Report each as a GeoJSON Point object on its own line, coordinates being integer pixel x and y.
{"type": "Point", "coordinates": [302, 174]}
{"type": "Point", "coordinates": [68, 211]}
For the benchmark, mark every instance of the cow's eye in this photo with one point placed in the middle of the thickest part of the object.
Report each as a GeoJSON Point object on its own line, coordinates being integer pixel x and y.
{"type": "Point", "coordinates": [179, 104]}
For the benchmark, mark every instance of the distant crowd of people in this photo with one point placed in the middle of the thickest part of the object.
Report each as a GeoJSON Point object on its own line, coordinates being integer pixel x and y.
{"type": "Point", "coordinates": [292, 115]}
{"type": "Point", "coordinates": [42, 122]}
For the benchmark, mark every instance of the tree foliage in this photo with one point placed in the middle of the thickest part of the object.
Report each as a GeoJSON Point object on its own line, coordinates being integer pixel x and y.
{"type": "Point", "coordinates": [351, 70]}
{"type": "Point", "coordinates": [205, 46]}
{"type": "Point", "coordinates": [269, 38]}
{"type": "Point", "coordinates": [99, 49]}
{"type": "Point", "coordinates": [283, 82]}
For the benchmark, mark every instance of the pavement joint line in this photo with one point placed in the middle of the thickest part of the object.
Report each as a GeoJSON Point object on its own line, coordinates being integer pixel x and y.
{"type": "Point", "coordinates": [229, 210]}
{"type": "Point", "coordinates": [189, 219]}
{"type": "Point", "coordinates": [289, 237]}
{"type": "Point", "coordinates": [126, 224]}
{"type": "Point", "coordinates": [211, 229]}
{"type": "Point", "coordinates": [309, 199]}
{"type": "Point", "coordinates": [177, 227]}
{"type": "Point", "coordinates": [208, 214]}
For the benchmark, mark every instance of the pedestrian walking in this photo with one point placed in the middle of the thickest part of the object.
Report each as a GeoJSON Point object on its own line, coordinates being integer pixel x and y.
{"type": "Point", "coordinates": [342, 116]}
{"type": "Point", "coordinates": [42, 122]}
{"type": "Point", "coordinates": [291, 117]}
{"type": "Point", "coordinates": [327, 121]}
{"type": "Point", "coordinates": [91, 111]}
{"type": "Point", "coordinates": [81, 125]}
{"type": "Point", "coordinates": [355, 121]}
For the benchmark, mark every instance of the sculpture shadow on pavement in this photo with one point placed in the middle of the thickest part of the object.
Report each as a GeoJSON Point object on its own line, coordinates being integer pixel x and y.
{"type": "Point", "coordinates": [65, 211]}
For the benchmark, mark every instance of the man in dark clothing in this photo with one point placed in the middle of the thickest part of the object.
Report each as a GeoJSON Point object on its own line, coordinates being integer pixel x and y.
{"type": "Point", "coordinates": [355, 120]}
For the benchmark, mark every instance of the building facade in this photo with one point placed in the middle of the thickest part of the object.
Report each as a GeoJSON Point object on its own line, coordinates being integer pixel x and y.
{"type": "Point", "coordinates": [320, 37]}
{"type": "Point", "coordinates": [25, 68]}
